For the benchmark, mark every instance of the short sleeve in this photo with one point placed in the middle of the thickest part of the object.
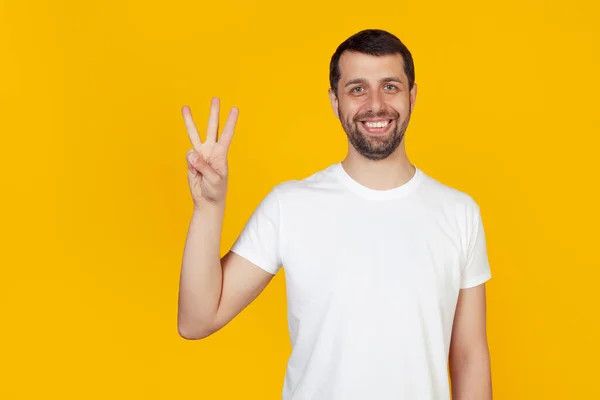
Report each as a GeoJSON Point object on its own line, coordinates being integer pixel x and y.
{"type": "Point", "coordinates": [476, 268]}
{"type": "Point", "coordinates": [258, 241]}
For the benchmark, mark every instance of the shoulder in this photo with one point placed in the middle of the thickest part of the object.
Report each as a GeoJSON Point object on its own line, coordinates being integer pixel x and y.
{"type": "Point", "coordinates": [452, 207]}
{"type": "Point", "coordinates": [317, 182]}
{"type": "Point", "coordinates": [447, 197]}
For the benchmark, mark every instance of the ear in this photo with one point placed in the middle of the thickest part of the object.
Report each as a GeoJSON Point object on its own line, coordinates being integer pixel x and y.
{"type": "Point", "coordinates": [413, 96]}
{"type": "Point", "coordinates": [334, 103]}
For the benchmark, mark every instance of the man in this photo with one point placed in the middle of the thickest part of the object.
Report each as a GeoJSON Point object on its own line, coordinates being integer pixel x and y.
{"type": "Point", "coordinates": [385, 266]}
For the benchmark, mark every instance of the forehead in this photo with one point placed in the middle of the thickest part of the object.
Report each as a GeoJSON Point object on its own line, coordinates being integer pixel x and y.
{"type": "Point", "coordinates": [355, 65]}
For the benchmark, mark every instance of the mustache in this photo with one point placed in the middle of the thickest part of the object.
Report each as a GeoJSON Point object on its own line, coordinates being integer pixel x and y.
{"type": "Point", "coordinates": [370, 115]}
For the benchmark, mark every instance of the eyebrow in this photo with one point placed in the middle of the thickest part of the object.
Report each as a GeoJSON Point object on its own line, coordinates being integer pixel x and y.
{"type": "Point", "coordinates": [360, 80]}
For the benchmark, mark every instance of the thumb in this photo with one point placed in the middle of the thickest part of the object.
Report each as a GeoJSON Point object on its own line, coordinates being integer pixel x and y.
{"type": "Point", "coordinates": [192, 157]}
{"type": "Point", "coordinates": [201, 166]}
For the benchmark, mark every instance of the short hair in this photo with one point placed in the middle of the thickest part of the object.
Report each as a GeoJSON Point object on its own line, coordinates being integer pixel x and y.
{"type": "Point", "coordinates": [375, 42]}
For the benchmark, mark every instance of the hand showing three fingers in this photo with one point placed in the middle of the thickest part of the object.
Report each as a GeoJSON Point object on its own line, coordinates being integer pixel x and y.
{"type": "Point", "coordinates": [207, 161]}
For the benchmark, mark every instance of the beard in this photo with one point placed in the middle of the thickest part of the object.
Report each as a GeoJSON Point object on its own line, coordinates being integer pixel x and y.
{"type": "Point", "coordinates": [376, 147]}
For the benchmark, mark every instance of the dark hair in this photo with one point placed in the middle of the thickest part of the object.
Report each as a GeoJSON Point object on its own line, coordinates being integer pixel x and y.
{"type": "Point", "coordinates": [375, 42]}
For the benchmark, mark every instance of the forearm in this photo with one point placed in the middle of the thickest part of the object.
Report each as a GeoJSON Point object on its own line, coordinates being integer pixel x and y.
{"type": "Point", "coordinates": [470, 374]}
{"type": "Point", "coordinates": [201, 273]}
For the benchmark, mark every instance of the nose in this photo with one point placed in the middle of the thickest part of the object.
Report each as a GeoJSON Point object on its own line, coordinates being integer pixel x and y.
{"type": "Point", "coordinates": [375, 101]}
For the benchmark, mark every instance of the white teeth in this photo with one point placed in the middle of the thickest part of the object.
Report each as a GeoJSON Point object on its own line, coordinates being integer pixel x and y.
{"type": "Point", "coordinates": [381, 124]}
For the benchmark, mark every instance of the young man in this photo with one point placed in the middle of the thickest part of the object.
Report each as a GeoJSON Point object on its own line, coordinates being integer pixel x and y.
{"type": "Point", "coordinates": [385, 266]}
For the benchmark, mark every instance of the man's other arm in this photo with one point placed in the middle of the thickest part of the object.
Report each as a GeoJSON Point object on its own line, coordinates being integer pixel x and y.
{"type": "Point", "coordinates": [469, 360]}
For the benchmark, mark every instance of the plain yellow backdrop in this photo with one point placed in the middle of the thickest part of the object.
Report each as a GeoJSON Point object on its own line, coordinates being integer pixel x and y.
{"type": "Point", "coordinates": [95, 204]}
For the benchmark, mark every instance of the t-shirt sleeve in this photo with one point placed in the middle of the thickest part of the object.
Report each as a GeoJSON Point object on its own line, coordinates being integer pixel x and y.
{"type": "Point", "coordinates": [476, 268]}
{"type": "Point", "coordinates": [258, 241]}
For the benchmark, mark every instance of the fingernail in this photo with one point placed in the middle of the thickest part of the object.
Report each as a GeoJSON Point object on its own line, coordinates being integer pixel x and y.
{"type": "Point", "coordinates": [193, 158]}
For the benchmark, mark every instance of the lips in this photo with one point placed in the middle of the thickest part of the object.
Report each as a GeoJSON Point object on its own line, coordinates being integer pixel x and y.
{"type": "Point", "coordinates": [377, 126]}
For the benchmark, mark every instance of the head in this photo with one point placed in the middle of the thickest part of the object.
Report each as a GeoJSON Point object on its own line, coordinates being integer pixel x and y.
{"type": "Point", "coordinates": [373, 91]}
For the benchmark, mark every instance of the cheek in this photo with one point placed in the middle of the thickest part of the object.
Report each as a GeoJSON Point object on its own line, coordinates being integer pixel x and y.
{"type": "Point", "coordinates": [402, 108]}
{"type": "Point", "coordinates": [349, 106]}
{"type": "Point", "coordinates": [348, 113]}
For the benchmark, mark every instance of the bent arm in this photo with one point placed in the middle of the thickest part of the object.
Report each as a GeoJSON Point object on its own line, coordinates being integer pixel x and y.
{"type": "Point", "coordinates": [213, 290]}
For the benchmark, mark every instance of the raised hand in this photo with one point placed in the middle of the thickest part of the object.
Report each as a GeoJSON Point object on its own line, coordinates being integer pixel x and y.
{"type": "Point", "coordinates": [207, 161]}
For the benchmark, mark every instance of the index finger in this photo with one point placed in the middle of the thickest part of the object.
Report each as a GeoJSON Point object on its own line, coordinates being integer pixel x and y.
{"type": "Point", "coordinates": [229, 128]}
{"type": "Point", "coordinates": [191, 128]}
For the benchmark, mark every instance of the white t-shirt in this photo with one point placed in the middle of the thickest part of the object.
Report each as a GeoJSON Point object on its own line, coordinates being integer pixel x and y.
{"type": "Point", "coordinates": [372, 280]}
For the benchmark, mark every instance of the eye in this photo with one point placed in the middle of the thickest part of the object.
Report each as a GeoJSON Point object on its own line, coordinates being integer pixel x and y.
{"type": "Point", "coordinates": [354, 89]}
{"type": "Point", "coordinates": [391, 86]}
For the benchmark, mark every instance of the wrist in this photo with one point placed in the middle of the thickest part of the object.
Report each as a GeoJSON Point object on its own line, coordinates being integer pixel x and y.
{"type": "Point", "coordinates": [208, 206]}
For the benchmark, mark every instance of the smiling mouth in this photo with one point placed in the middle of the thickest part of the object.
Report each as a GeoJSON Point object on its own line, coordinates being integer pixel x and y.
{"type": "Point", "coordinates": [377, 127]}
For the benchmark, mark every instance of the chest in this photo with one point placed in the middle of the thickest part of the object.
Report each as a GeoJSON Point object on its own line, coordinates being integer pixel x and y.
{"type": "Point", "coordinates": [371, 257]}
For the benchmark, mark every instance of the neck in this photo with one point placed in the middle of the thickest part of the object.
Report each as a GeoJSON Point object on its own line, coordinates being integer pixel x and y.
{"type": "Point", "coordinates": [389, 173]}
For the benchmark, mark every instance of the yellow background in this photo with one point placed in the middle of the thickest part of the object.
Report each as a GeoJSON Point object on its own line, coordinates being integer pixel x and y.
{"type": "Point", "coordinates": [95, 203]}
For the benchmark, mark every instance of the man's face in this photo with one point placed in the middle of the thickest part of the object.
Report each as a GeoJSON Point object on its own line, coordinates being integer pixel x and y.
{"type": "Point", "coordinates": [373, 102]}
